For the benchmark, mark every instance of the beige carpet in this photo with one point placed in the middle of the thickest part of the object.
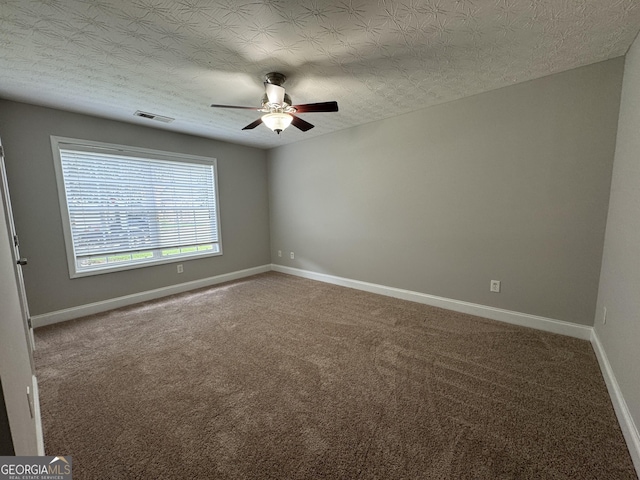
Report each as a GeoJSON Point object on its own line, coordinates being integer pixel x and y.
{"type": "Point", "coordinates": [277, 377]}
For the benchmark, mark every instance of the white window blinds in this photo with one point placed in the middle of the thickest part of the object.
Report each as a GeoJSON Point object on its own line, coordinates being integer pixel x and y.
{"type": "Point", "coordinates": [126, 208]}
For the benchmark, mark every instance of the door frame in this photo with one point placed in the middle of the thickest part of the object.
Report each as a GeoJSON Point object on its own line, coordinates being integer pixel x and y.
{"type": "Point", "coordinates": [4, 191]}
{"type": "Point", "coordinates": [17, 369]}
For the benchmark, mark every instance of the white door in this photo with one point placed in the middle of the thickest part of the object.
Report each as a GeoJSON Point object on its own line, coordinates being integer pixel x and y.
{"type": "Point", "coordinates": [17, 371]}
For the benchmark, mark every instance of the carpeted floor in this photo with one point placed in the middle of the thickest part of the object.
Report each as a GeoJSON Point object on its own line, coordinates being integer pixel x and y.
{"type": "Point", "coordinates": [278, 377]}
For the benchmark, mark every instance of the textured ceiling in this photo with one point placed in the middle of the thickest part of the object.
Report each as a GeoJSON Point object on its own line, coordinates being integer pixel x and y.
{"type": "Point", "coordinates": [377, 58]}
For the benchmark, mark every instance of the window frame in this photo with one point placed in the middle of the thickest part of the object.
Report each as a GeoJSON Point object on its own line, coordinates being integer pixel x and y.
{"type": "Point", "coordinates": [58, 142]}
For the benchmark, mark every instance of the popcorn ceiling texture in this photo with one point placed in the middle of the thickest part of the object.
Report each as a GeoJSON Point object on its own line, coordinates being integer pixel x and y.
{"type": "Point", "coordinates": [276, 376]}
{"type": "Point", "coordinates": [378, 59]}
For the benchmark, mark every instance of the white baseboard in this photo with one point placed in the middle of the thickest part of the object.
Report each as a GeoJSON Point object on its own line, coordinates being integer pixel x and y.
{"type": "Point", "coordinates": [508, 316]}
{"type": "Point", "coordinates": [516, 318]}
{"type": "Point", "coordinates": [105, 305]}
{"type": "Point", "coordinates": [628, 426]}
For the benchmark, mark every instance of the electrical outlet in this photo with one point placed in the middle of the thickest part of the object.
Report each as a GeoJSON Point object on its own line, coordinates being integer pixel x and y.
{"type": "Point", "coordinates": [180, 268]}
{"type": "Point", "coordinates": [292, 255]}
{"type": "Point", "coordinates": [279, 253]}
{"type": "Point", "coordinates": [604, 316]}
{"type": "Point", "coordinates": [495, 286]}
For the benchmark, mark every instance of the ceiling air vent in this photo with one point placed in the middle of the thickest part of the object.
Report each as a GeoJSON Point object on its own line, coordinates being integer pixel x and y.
{"type": "Point", "coordinates": [153, 116]}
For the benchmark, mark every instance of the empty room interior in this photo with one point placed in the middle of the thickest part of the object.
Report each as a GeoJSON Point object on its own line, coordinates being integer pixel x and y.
{"type": "Point", "coordinates": [341, 239]}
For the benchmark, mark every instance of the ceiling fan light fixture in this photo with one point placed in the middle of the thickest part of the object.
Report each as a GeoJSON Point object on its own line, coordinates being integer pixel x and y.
{"type": "Point", "coordinates": [277, 121]}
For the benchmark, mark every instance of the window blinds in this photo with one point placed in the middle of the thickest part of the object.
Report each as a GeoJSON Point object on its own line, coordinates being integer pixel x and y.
{"type": "Point", "coordinates": [119, 203]}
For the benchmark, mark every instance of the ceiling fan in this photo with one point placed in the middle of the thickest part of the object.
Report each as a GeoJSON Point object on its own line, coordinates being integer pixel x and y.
{"type": "Point", "coordinates": [278, 111]}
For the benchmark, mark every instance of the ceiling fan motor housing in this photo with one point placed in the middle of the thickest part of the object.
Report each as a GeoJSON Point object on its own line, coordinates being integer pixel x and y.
{"type": "Point", "coordinates": [275, 78]}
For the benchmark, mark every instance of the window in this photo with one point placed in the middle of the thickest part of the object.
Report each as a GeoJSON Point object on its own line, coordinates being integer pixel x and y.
{"type": "Point", "coordinates": [125, 207]}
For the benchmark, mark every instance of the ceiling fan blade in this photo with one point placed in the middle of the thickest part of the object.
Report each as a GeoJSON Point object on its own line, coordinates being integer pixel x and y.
{"type": "Point", "coordinates": [235, 106]}
{"type": "Point", "coordinates": [253, 124]}
{"type": "Point", "coordinates": [317, 107]}
{"type": "Point", "coordinates": [275, 93]}
{"type": "Point", "coordinates": [301, 124]}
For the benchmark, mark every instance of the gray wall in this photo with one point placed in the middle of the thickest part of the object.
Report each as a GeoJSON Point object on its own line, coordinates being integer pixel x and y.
{"type": "Point", "coordinates": [25, 131]}
{"type": "Point", "coordinates": [620, 277]}
{"type": "Point", "coordinates": [511, 185]}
